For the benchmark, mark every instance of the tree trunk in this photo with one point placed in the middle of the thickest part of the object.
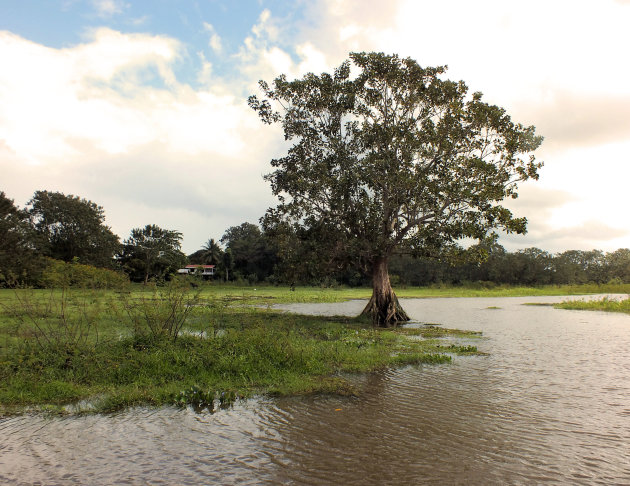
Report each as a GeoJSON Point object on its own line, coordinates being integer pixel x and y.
{"type": "Point", "coordinates": [383, 307]}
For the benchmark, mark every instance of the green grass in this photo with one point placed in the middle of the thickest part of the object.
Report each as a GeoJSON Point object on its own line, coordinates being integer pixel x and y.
{"type": "Point", "coordinates": [105, 349]}
{"type": "Point", "coordinates": [605, 304]}
{"type": "Point", "coordinates": [94, 348]}
{"type": "Point", "coordinates": [271, 294]}
{"type": "Point", "coordinates": [228, 294]}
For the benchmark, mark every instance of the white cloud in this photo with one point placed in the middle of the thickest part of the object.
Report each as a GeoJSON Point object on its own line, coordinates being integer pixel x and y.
{"type": "Point", "coordinates": [559, 220]}
{"type": "Point", "coordinates": [108, 120]}
{"type": "Point", "coordinates": [107, 8]}
{"type": "Point", "coordinates": [215, 41]}
{"type": "Point", "coordinates": [113, 93]}
{"type": "Point", "coordinates": [113, 123]}
{"type": "Point", "coordinates": [266, 27]}
{"type": "Point", "coordinates": [569, 120]}
{"type": "Point", "coordinates": [204, 76]}
{"type": "Point", "coordinates": [139, 20]}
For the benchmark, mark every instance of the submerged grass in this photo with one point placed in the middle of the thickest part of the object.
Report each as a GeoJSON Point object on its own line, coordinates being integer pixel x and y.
{"type": "Point", "coordinates": [608, 305]}
{"type": "Point", "coordinates": [222, 351]}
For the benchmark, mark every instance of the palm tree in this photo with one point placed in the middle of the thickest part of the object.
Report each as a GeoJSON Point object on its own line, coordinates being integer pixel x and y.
{"type": "Point", "coordinates": [212, 253]}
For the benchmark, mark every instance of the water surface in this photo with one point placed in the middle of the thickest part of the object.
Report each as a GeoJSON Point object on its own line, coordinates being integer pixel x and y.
{"type": "Point", "coordinates": [549, 404]}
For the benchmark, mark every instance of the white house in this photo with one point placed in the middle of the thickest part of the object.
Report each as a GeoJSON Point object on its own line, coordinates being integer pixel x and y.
{"type": "Point", "coordinates": [204, 271]}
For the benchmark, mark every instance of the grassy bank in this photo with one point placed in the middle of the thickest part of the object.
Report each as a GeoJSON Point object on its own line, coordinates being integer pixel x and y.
{"type": "Point", "coordinates": [607, 305]}
{"type": "Point", "coordinates": [271, 294]}
{"type": "Point", "coordinates": [174, 346]}
{"type": "Point", "coordinates": [229, 294]}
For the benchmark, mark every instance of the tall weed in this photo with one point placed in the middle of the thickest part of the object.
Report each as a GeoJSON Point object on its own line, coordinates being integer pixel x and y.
{"type": "Point", "coordinates": [60, 319]}
{"type": "Point", "coordinates": [161, 313]}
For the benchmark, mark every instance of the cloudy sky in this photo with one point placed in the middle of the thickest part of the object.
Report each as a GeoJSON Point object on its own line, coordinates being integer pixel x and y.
{"type": "Point", "coordinates": [140, 106]}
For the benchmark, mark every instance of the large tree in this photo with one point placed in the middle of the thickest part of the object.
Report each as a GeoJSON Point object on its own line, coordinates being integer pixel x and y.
{"type": "Point", "coordinates": [18, 261]}
{"type": "Point", "coordinates": [388, 155]}
{"type": "Point", "coordinates": [152, 252]}
{"type": "Point", "coordinates": [68, 227]}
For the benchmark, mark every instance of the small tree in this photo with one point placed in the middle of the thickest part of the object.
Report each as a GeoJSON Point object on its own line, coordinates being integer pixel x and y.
{"type": "Point", "coordinates": [152, 252]}
{"type": "Point", "coordinates": [228, 263]}
{"type": "Point", "coordinates": [392, 158]}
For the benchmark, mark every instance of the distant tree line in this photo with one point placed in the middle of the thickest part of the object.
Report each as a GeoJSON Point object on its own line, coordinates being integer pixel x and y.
{"type": "Point", "coordinates": [253, 255]}
{"type": "Point", "coordinates": [528, 267]}
{"type": "Point", "coordinates": [54, 227]}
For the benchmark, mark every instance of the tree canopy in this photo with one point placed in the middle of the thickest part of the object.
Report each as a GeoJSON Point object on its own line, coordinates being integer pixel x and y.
{"type": "Point", "coordinates": [17, 258]}
{"type": "Point", "coordinates": [249, 249]}
{"type": "Point", "coordinates": [68, 227]}
{"type": "Point", "coordinates": [387, 155]}
{"type": "Point", "coordinates": [152, 252]}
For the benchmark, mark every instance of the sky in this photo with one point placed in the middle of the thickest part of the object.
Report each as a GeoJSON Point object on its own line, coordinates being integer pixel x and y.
{"type": "Point", "coordinates": [141, 106]}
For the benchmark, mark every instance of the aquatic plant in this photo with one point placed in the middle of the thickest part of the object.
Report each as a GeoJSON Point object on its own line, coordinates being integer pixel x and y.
{"type": "Point", "coordinates": [198, 398]}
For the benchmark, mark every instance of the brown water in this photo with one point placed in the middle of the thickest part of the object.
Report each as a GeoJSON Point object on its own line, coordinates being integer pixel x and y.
{"type": "Point", "coordinates": [550, 404]}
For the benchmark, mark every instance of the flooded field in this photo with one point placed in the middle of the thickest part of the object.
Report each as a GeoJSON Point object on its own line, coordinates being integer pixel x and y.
{"type": "Point", "coordinates": [549, 404]}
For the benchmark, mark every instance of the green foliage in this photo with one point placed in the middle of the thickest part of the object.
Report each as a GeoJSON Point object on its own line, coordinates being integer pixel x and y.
{"type": "Point", "coordinates": [528, 267]}
{"type": "Point", "coordinates": [213, 254]}
{"type": "Point", "coordinates": [201, 399]}
{"type": "Point", "coordinates": [152, 253]}
{"type": "Point", "coordinates": [227, 352]}
{"type": "Point", "coordinates": [60, 275]}
{"type": "Point", "coordinates": [618, 265]}
{"type": "Point", "coordinates": [69, 227]}
{"type": "Point", "coordinates": [394, 157]}
{"type": "Point", "coordinates": [19, 265]}
{"type": "Point", "coordinates": [391, 158]}
{"type": "Point", "coordinates": [252, 257]}
{"type": "Point", "coordinates": [198, 398]}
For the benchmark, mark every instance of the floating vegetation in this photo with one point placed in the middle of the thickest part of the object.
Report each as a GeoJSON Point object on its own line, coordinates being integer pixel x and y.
{"type": "Point", "coordinates": [461, 350]}
{"type": "Point", "coordinates": [204, 400]}
{"type": "Point", "coordinates": [432, 331]}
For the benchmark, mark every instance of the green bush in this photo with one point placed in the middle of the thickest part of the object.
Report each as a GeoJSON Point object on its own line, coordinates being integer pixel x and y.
{"type": "Point", "coordinates": [58, 274]}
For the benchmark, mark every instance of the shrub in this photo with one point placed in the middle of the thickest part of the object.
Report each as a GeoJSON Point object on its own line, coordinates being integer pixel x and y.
{"type": "Point", "coordinates": [58, 274]}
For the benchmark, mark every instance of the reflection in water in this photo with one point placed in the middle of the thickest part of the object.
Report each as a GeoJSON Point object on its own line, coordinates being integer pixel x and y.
{"type": "Point", "coordinates": [551, 403]}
